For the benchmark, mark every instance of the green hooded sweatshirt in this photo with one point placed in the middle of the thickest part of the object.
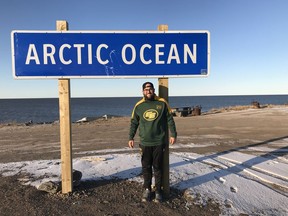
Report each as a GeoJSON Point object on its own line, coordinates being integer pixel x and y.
{"type": "Point", "coordinates": [153, 117]}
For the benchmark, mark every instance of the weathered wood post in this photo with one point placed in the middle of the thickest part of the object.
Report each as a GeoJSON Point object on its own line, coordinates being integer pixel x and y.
{"type": "Point", "coordinates": [163, 92]}
{"type": "Point", "coordinates": [65, 126]}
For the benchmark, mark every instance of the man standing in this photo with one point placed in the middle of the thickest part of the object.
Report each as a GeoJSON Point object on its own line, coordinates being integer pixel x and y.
{"type": "Point", "coordinates": [153, 116]}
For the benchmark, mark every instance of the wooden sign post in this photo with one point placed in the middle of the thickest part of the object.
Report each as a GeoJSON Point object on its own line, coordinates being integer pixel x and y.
{"type": "Point", "coordinates": [65, 126]}
{"type": "Point", "coordinates": [163, 93]}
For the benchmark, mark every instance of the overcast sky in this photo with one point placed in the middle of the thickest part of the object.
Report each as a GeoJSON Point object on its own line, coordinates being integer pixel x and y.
{"type": "Point", "coordinates": [249, 47]}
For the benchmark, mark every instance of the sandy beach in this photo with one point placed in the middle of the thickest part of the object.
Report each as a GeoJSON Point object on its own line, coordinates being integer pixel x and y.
{"type": "Point", "coordinates": [226, 130]}
{"type": "Point", "coordinates": [258, 132]}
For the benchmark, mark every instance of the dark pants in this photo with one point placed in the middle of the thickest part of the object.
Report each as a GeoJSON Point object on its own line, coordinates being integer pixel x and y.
{"type": "Point", "coordinates": [152, 156]}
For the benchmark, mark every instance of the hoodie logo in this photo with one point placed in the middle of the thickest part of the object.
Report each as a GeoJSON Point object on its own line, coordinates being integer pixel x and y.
{"type": "Point", "coordinates": [150, 115]}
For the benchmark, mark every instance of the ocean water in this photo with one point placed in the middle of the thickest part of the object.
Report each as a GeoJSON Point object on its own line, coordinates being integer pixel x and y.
{"type": "Point", "coordinates": [47, 110]}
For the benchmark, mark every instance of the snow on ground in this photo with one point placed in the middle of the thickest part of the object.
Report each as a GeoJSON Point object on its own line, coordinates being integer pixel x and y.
{"type": "Point", "coordinates": [239, 182]}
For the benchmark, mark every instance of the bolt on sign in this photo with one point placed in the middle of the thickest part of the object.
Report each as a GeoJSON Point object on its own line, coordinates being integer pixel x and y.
{"type": "Point", "coordinates": [110, 54]}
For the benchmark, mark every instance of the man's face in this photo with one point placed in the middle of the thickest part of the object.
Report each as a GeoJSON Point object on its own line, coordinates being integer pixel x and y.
{"type": "Point", "coordinates": [148, 92]}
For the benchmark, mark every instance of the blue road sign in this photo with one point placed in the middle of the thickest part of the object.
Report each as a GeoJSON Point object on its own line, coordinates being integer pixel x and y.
{"type": "Point", "coordinates": [110, 54]}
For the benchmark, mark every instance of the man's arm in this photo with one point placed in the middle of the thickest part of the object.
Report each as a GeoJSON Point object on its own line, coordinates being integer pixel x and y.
{"type": "Point", "coordinates": [134, 123]}
{"type": "Point", "coordinates": [171, 126]}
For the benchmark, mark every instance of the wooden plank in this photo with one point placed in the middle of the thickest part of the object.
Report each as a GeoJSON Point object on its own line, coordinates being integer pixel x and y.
{"type": "Point", "coordinates": [163, 88]}
{"type": "Point", "coordinates": [65, 126]}
{"type": "Point", "coordinates": [62, 25]}
{"type": "Point", "coordinates": [163, 92]}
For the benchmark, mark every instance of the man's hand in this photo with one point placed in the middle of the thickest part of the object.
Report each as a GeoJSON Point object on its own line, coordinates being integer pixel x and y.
{"type": "Point", "coordinates": [172, 140]}
{"type": "Point", "coordinates": [131, 143]}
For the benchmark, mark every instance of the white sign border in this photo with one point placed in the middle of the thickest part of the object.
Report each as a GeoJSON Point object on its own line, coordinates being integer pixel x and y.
{"type": "Point", "coordinates": [109, 77]}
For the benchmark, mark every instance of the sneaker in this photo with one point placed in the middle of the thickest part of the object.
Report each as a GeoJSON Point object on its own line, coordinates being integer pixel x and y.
{"type": "Point", "coordinates": [146, 195]}
{"type": "Point", "coordinates": [158, 197]}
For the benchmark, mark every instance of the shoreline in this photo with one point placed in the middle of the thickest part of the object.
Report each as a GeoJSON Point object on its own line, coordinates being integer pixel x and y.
{"type": "Point", "coordinates": [219, 129]}
{"type": "Point", "coordinates": [47, 110]}
{"type": "Point", "coordinates": [86, 119]}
